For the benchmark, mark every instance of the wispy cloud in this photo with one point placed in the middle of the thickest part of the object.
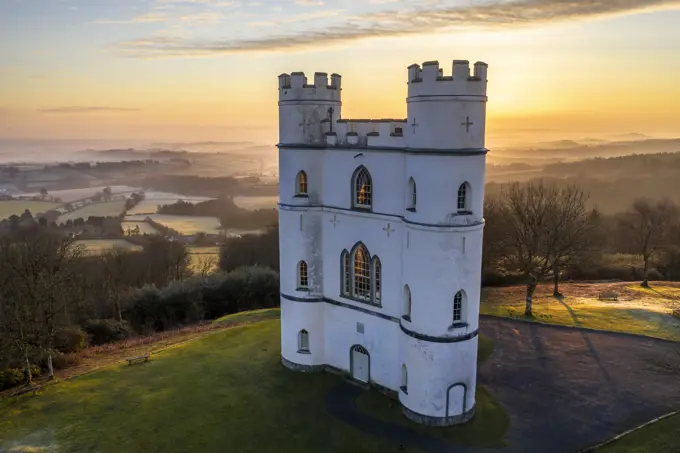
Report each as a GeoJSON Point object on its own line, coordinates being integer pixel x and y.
{"type": "Point", "coordinates": [86, 109]}
{"type": "Point", "coordinates": [299, 18]}
{"type": "Point", "coordinates": [309, 2]}
{"type": "Point", "coordinates": [397, 22]}
{"type": "Point", "coordinates": [144, 18]}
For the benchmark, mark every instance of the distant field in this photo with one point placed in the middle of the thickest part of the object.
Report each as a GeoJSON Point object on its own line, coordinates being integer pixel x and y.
{"type": "Point", "coordinates": [637, 310]}
{"type": "Point", "coordinates": [17, 207]}
{"type": "Point", "coordinates": [253, 203]}
{"type": "Point", "coordinates": [104, 209]}
{"type": "Point", "coordinates": [144, 227]}
{"type": "Point", "coordinates": [70, 195]}
{"type": "Point", "coordinates": [99, 246]}
{"type": "Point", "coordinates": [186, 225]}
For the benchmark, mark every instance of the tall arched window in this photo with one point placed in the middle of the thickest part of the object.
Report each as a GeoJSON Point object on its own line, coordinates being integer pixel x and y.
{"type": "Point", "coordinates": [458, 307]}
{"type": "Point", "coordinates": [406, 310]}
{"type": "Point", "coordinates": [301, 183]}
{"type": "Point", "coordinates": [463, 197]}
{"type": "Point", "coordinates": [303, 278]}
{"type": "Point", "coordinates": [377, 268]}
{"type": "Point", "coordinates": [303, 341]}
{"type": "Point", "coordinates": [404, 379]}
{"type": "Point", "coordinates": [362, 189]}
{"type": "Point", "coordinates": [411, 195]}
{"type": "Point", "coordinates": [361, 269]}
{"type": "Point", "coordinates": [345, 287]}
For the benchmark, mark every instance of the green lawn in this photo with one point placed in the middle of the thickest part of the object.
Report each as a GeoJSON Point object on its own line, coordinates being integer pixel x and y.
{"type": "Point", "coordinates": [226, 391]}
{"type": "Point", "coordinates": [638, 310]}
{"type": "Point", "coordinates": [661, 437]}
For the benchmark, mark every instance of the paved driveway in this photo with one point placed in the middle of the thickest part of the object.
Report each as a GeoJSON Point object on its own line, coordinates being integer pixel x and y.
{"type": "Point", "coordinates": [567, 389]}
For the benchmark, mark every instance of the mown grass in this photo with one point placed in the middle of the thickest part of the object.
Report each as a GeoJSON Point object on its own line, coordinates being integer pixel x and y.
{"type": "Point", "coordinates": [661, 437]}
{"type": "Point", "coordinates": [638, 310]}
{"type": "Point", "coordinates": [225, 391]}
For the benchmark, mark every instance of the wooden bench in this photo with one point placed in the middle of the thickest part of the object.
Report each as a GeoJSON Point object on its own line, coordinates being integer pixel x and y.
{"type": "Point", "coordinates": [608, 295]}
{"type": "Point", "coordinates": [141, 358]}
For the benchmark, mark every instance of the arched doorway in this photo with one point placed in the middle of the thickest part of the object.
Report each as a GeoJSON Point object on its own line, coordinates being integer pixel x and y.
{"type": "Point", "coordinates": [360, 363]}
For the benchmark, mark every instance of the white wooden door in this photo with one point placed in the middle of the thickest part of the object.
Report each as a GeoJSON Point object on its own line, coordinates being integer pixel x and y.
{"type": "Point", "coordinates": [456, 400]}
{"type": "Point", "coordinates": [360, 364]}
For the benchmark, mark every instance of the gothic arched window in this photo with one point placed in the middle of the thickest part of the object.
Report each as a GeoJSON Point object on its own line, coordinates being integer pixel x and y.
{"type": "Point", "coordinates": [377, 267]}
{"type": "Point", "coordinates": [411, 195]}
{"type": "Point", "coordinates": [303, 341]}
{"type": "Point", "coordinates": [464, 197]}
{"type": "Point", "coordinates": [458, 307]}
{"type": "Point", "coordinates": [406, 310]}
{"type": "Point", "coordinates": [404, 379]}
{"type": "Point", "coordinates": [303, 277]}
{"type": "Point", "coordinates": [362, 189]}
{"type": "Point", "coordinates": [361, 273]}
{"type": "Point", "coordinates": [345, 287]}
{"type": "Point", "coordinates": [301, 183]}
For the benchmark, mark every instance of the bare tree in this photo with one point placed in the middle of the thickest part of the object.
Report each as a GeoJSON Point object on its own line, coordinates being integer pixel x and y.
{"type": "Point", "coordinates": [37, 275]}
{"type": "Point", "coordinates": [646, 227]}
{"type": "Point", "coordinates": [546, 228]}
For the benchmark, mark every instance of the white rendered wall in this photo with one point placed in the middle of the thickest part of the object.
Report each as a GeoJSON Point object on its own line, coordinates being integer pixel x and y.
{"type": "Point", "coordinates": [380, 338]}
{"type": "Point", "coordinates": [432, 369]}
{"type": "Point", "coordinates": [296, 316]}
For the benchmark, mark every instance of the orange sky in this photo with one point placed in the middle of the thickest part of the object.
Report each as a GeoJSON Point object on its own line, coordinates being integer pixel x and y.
{"type": "Point", "coordinates": [568, 78]}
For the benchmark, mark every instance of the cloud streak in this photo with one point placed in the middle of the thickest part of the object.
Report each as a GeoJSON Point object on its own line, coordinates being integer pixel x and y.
{"type": "Point", "coordinates": [86, 109]}
{"type": "Point", "coordinates": [390, 23]}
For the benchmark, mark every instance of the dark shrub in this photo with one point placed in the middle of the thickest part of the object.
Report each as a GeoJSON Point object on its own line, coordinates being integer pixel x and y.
{"type": "Point", "coordinates": [11, 377]}
{"type": "Point", "coordinates": [194, 299]}
{"type": "Point", "coordinates": [102, 331]}
{"type": "Point", "coordinates": [70, 339]}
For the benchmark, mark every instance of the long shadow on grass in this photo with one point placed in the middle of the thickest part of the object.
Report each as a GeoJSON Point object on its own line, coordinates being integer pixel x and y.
{"type": "Point", "coordinates": [340, 403]}
{"type": "Point", "coordinates": [589, 344]}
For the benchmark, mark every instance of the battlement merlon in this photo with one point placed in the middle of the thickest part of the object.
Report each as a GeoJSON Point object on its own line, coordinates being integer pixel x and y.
{"type": "Point", "coordinates": [430, 79]}
{"type": "Point", "coordinates": [294, 87]}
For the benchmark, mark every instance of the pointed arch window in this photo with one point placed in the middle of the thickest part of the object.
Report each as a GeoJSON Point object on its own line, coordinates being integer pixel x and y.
{"type": "Point", "coordinates": [458, 307]}
{"type": "Point", "coordinates": [404, 379]}
{"type": "Point", "coordinates": [303, 342]}
{"type": "Point", "coordinates": [377, 267]}
{"type": "Point", "coordinates": [463, 203]}
{"type": "Point", "coordinates": [301, 183]}
{"type": "Point", "coordinates": [411, 195]}
{"type": "Point", "coordinates": [303, 276]}
{"type": "Point", "coordinates": [345, 273]}
{"type": "Point", "coordinates": [361, 275]}
{"type": "Point", "coordinates": [406, 310]}
{"type": "Point", "coordinates": [361, 269]}
{"type": "Point", "coordinates": [362, 189]}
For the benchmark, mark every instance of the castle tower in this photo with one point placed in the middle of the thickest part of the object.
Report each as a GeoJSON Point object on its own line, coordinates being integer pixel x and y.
{"type": "Point", "coordinates": [380, 225]}
{"type": "Point", "coordinates": [442, 264]}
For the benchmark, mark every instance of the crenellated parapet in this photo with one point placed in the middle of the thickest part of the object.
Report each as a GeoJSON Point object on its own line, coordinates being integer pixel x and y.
{"type": "Point", "coordinates": [429, 80]}
{"type": "Point", "coordinates": [295, 87]}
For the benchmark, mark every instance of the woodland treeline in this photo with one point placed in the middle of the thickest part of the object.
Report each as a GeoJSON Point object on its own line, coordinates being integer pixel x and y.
{"type": "Point", "coordinates": [56, 299]}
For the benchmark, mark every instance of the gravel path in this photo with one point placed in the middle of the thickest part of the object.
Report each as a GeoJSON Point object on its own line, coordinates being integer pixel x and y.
{"type": "Point", "coordinates": [564, 389]}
